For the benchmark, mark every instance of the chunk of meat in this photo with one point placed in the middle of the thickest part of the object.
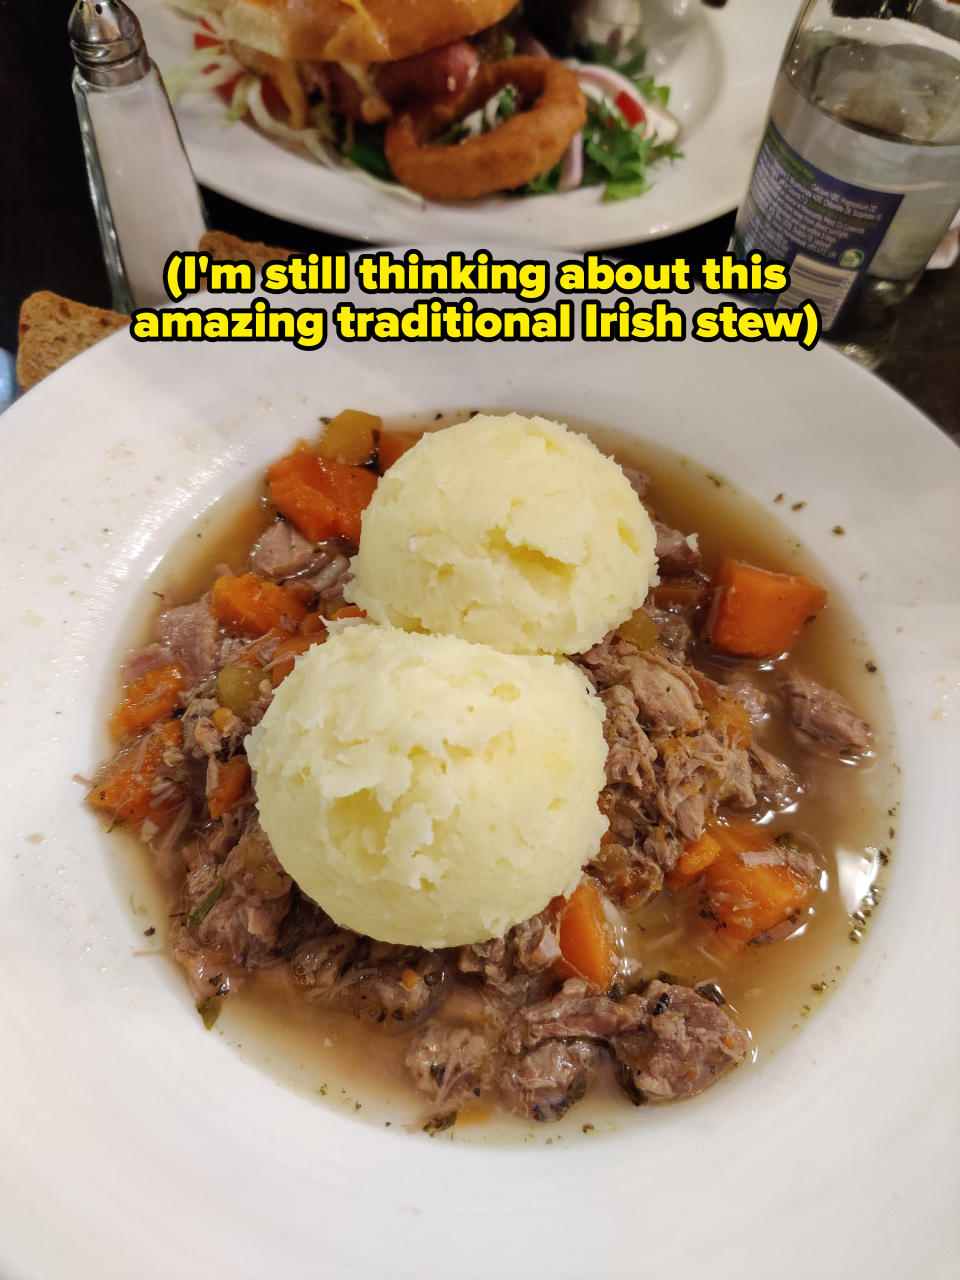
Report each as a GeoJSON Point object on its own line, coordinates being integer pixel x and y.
{"type": "Point", "coordinates": [676, 634]}
{"type": "Point", "coordinates": [822, 719]}
{"type": "Point", "coordinates": [345, 95]}
{"type": "Point", "coordinates": [572, 1013]}
{"type": "Point", "coordinates": [512, 964]}
{"type": "Point", "coordinates": [372, 980]}
{"type": "Point", "coordinates": [453, 1067]}
{"type": "Point", "coordinates": [232, 912]}
{"type": "Point", "coordinates": [750, 696]}
{"type": "Point", "coordinates": [281, 552]}
{"type": "Point", "coordinates": [629, 875]}
{"type": "Point", "coordinates": [685, 1044]}
{"type": "Point", "coordinates": [434, 74]}
{"type": "Point", "coordinates": [545, 1082]}
{"type": "Point", "coordinates": [665, 693]}
{"type": "Point", "coordinates": [191, 636]}
{"type": "Point", "coordinates": [639, 480]}
{"type": "Point", "coordinates": [774, 782]}
{"type": "Point", "coordinates": [676, 552]}
{"type": "Point", "coordinates": [700, 772]}
{"type": "Point", "coordinates": [630, 754]}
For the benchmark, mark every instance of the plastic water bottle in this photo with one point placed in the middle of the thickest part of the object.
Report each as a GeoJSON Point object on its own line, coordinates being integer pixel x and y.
{"type": "Point", "coordinates": [858, 174]}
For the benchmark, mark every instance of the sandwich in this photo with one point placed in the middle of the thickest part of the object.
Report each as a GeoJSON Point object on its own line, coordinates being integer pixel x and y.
{"type": "Point", "coordinates": [450, 98]}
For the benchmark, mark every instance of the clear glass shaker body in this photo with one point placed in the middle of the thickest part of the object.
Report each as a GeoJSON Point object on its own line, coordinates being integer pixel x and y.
{"type": "Point", "coordinates": [143, 190]}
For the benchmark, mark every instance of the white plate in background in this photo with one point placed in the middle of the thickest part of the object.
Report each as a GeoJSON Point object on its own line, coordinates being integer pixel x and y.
{"type": "Point", "coordinates": [720, 86]}
{"type": "Point", "coordinates": [133, 1143]}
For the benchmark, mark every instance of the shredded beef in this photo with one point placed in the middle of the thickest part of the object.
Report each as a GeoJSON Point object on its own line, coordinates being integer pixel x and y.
{"type": "Point", "coordinates": [452, 1066]}
{"type": "Point", "coordinates": [665, 694]}
{"type": "Point", "coordinates": [630, 753]}
{"type": "Point", "coordinates": [684, 1043]}
{"type": "Point", "coordinates": [529, 949]}
{"type": "Point", "coordinates": [627, 873]}
{"type": "Point", "coordinates": [676, 634]}
{"type": "Point", "coordinates": [821, 718]}
{"type": "Point", "coordinates": [231, 911]}
{"type": "Point", "coordinates": [774, 782]}
{"type": "Point", "coordinates": [372, 980]}
{"type": "Point", "coordinates": [573, 1012]}
{"type": "Point", "coordinates": [543, 1083]}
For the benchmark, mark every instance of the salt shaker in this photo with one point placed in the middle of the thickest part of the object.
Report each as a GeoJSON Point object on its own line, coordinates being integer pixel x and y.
{"type": "Point", "coordinates": [143, 190]}
{"type": "Point", "coordinates": [858, 174]}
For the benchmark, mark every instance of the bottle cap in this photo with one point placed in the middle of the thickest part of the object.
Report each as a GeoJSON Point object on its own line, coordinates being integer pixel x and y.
{"type": "Point", "coordinates": [107, 43]}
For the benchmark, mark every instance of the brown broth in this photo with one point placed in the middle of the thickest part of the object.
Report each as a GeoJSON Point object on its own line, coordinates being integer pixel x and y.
{"type": "Point", "coordinates": [845, 816]}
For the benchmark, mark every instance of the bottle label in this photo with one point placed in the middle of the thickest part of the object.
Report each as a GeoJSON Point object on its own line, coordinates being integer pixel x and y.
{"type": "Point", "coordinates": [825, 230]}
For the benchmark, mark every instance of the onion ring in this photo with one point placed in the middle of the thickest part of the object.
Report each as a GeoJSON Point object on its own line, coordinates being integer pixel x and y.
{"type": "Point", "coordinates": [528, 144]}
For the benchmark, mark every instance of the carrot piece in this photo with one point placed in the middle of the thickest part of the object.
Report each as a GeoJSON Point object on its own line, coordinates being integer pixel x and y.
{"type": "Point", "coordinates": [252, 605]}
{"type": "Point", "coordinates": [351, 437]}
{"type": "Point", "coordinates": [759, 613]}
{"type": "Point", "coordinates": [585, 938]}
{"type": "Point", "coordinates": [145, 701]}
{"type": "Point", "coordinates": [409, 979]}
{"type": "Point", "coordinates": [393, 445]}
{"type": "Point", "coordinates": [322, 497]}
{"type": "Point", "coordinates": [348, 611]}
{"type": "Point", "coordinates": [232, 779]}
{"type": "Point", "coordinates": [288, 651]}
{"type": "Point", "coordinates": [126, 789]}
{"type": "Point", "coordinates": [313, 624]}
{"type": "Point", "coordinates": [747, 899]}
{"type": "Point", "coordinates": [696, 857]}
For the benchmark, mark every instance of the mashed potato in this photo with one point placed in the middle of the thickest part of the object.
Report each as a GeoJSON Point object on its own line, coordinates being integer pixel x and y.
{"type": "Point", "coordinates": [511, 531]}
{"type": "Point", "coordinates": [429, 791]}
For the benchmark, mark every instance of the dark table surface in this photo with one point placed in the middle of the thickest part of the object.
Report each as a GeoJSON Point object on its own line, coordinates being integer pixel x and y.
{"type": "Point", "coordinates": [48, 237]}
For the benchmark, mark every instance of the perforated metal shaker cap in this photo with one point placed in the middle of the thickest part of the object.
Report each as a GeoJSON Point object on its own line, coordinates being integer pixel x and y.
{"type": "Point", "coordinates": [107, 42]}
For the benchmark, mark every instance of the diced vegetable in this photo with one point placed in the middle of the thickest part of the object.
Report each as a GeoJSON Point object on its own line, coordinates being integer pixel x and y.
{"type": "Point", "coordinates": [351, 437]}
{"type": "Point", "coordinates": [313, 624]}
{"type": "Point", "coordinates": [683, 591]}
{"type": "Point", "coordinates": [748, 898]}
{"type": "Point", "coordinates": [640, 630]}
{"type": "Point", "coordinates": [727, 717]}
{"type": "Point", "coordinates": [630, 108]}
{"type": "Point", "coordinates": [585, 937]}
{"type": "Point", "coordinates": [238, 687]}
{"type": "Point", "coordinates": [253, 606]}
{"type": "Point", "coordinates": [288, 651]}
{"type": "Point", "coordinates": [348, 611]}
{"type": "Point", "coordinates": [323, 498]}
{"type": "Point", "coordinates": [145, 701]}
{"type": "Point", "coordinates": [128, 789]}
{"type": "Point", "coordinates": [696, 857]}
{"type": "Point", "coordinates": [758, 613]}
{"type": "Point", "coordinates": [393, 445]}
{"type": "Point", "coordinates": [233, 777]}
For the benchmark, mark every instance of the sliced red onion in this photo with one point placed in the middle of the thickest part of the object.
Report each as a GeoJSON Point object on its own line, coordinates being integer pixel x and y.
{"type": "Point", "coordinates": [571, 167]}
{"type": "Point", "coordinates": [611, 84]}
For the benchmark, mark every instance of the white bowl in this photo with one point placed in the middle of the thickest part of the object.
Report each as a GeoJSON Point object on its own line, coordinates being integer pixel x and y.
{"type": "Point", "coordinates": [132, 1143]}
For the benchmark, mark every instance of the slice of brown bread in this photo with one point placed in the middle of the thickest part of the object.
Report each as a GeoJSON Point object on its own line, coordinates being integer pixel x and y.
{"type": "Point", "coordinates": [53, 330]}
{"type": "Point", "coordinates": [223, 247]}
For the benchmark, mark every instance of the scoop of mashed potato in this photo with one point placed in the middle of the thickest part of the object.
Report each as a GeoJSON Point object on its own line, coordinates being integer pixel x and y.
{"type": "Point", "coordinates": [428, 791]}
{"type": "Point", "coordinates": [511, 531]}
